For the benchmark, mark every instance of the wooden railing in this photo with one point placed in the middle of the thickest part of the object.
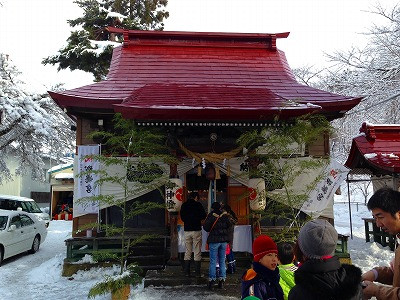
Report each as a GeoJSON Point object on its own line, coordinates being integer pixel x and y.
{"type": "Point", "coordinates": [150, 254]}
{"type": "Point", "coordinates": [78, 247]}
{"type": "Point", "coordinates": [377, 234]}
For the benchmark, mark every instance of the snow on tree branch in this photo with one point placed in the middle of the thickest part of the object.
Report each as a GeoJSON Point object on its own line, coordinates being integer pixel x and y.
{"type": "Point", "coordinates": [372, 71]}
{"type": "Point", "coordinates": [32, 126]}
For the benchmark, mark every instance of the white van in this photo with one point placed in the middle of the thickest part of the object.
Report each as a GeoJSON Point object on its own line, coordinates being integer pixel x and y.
{"type": "Point", "coordinates": [29, 205]}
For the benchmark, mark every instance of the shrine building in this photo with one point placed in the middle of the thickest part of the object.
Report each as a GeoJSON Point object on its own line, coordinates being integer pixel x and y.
{"type": "Point", "coordinates": [205, 89]}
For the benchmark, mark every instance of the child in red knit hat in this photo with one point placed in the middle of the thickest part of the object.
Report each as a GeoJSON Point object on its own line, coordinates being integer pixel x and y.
{"type": "Point", "coordinates": [262, 280]}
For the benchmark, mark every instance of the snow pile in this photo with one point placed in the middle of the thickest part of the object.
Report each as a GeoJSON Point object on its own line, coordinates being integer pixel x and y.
{"type": "Point", "coordinates": [364, 255]}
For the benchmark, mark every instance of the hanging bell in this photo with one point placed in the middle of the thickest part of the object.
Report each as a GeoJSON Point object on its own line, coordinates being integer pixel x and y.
{"type": "Point", "coordinates": [210, 171]}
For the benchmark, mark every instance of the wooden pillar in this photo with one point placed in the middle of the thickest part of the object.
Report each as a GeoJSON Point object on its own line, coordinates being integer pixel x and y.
{"type": "Point", "coordinates": [173, 171]}
{"type": "Point", "coordinates": [256, 226]}
{"type": "Point", "coordinates": [173, 221]}
{"type": "Point", "coordinates": [253, 163]}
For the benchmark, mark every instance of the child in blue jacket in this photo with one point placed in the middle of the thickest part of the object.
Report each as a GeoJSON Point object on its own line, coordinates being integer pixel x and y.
{"type": "Point", "coordinates": [262, 280]}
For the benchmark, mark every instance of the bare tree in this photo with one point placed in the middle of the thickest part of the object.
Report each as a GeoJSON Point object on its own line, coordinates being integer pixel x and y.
{"type": "Point", "coordinates": [372, 71]}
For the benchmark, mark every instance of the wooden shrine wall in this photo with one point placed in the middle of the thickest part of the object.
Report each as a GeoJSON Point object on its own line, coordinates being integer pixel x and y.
{"type": "Point", "coordinates": [320, 147]}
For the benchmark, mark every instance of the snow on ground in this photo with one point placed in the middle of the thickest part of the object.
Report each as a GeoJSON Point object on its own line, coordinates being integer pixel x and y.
{"type": "Point", "coordinates": [38, 276]}
{"type": "Point", "coordinates": [364, 255]}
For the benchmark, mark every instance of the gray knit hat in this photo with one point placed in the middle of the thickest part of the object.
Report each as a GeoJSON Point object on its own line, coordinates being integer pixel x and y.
{"type": "Point", "coordinates": [317, 238]}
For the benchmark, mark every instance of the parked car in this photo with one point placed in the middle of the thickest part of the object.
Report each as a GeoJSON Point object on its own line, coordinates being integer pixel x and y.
{"type": "Point", "coordinates": [20, 232]}
{"type": "Point", "coordinates": [29, 205]}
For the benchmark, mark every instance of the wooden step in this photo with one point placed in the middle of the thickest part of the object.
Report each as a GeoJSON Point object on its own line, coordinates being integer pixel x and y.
{"type": "Point", "coordinates": [145, 250]}
{"type": "Point", "coordinates": [148, 260]}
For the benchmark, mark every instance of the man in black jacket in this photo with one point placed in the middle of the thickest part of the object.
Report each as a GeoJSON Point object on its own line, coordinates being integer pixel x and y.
{"type": "Point", "coordinates": [192, 213]}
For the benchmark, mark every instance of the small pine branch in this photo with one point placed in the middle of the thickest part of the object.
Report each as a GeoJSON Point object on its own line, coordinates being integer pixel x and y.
{"type": "Point", "coordinates": [279, 164]}
{"type": "Point", "coordinates": [105, 256]}
{"type": "Point", "coordinates": [142, 239]}
{"type": "Point", "coordinates": [139, 208]}
{"type": "Point", "coordinates": [117, 282]}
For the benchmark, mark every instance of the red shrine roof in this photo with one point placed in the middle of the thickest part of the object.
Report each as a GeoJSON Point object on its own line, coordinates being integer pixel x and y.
{"type": "Point", "coordinates": [161, 75]}
{"type": "Point", "coordinates": [376, 148]}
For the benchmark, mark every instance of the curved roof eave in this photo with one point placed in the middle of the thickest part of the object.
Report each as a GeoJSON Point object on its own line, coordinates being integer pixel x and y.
{"type": "Point", "coordinates": [65, 100]}
{"type": "Point", "coordinates": [362, 156]}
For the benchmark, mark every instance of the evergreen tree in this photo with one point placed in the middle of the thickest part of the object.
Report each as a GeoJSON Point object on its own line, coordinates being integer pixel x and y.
{"type": "Point", "coordinates": [90, 48]}
{"type": "Point", "coordinates": [141, 149]}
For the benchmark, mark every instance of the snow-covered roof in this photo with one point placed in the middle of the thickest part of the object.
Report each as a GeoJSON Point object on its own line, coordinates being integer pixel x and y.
{"type": "Point", "coordinates": [64, 176]}
{"type": "Point", "coordinates": [60, 167]}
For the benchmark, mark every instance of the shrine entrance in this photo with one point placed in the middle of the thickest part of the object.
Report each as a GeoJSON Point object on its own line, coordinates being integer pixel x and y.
{"type": "Point", "coordinates": [203, 186]}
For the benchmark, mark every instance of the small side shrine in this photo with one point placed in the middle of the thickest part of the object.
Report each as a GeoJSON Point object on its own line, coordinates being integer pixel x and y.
{"type": "Point", "coordinates": [375, 157]}
{"type": "Point", "coordinates": [62, 190]}
{"type": "Point", "coordinates": [205, 89]}
{"type": "Point", "coordinates": [376, 151]}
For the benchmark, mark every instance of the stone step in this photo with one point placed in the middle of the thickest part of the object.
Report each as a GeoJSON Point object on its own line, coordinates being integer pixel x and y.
{"type": "Point", "coordinates": [173, 276]}
{"type": "Point", "coordinates": [242, 259]}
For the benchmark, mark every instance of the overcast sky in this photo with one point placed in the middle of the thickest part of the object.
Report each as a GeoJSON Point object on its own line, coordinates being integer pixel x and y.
{"type": "Point", "coordinates": [33, 29]}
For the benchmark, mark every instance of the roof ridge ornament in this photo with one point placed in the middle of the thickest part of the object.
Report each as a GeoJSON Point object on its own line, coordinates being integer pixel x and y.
{"type": "Point", "coordinates": [369, 130]}
{"type": "Point", "coordinates": [199, 39]}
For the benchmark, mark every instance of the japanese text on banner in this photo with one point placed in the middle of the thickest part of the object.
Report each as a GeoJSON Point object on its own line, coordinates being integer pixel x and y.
{"type": "Point", "coordinates": [86, 184]}
{"type": "Point", "coordinates": [319, 198]}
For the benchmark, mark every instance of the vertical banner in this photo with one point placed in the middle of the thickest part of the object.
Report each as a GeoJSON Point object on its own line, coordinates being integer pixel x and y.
{"type": "Point", "coordinates": [85, 185]}
{"type": "Point", "coordinates": [333, 176]}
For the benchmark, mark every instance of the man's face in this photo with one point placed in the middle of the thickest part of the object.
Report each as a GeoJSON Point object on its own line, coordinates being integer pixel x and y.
{"type": "Point", "coordinates": [386, 221]}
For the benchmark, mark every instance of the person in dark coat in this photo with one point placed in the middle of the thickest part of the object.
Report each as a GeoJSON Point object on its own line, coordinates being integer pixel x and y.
{"type": "Point", "coordinates": [320, 275]}
{"type": "Point", "coordinates": [230, 256]}
{"type": "Point", "coordinates": [218, 226]}
{"type": "Point", "coordinates": [262, 280]}
{"type": "Point", "coordinates": [192, 213]}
